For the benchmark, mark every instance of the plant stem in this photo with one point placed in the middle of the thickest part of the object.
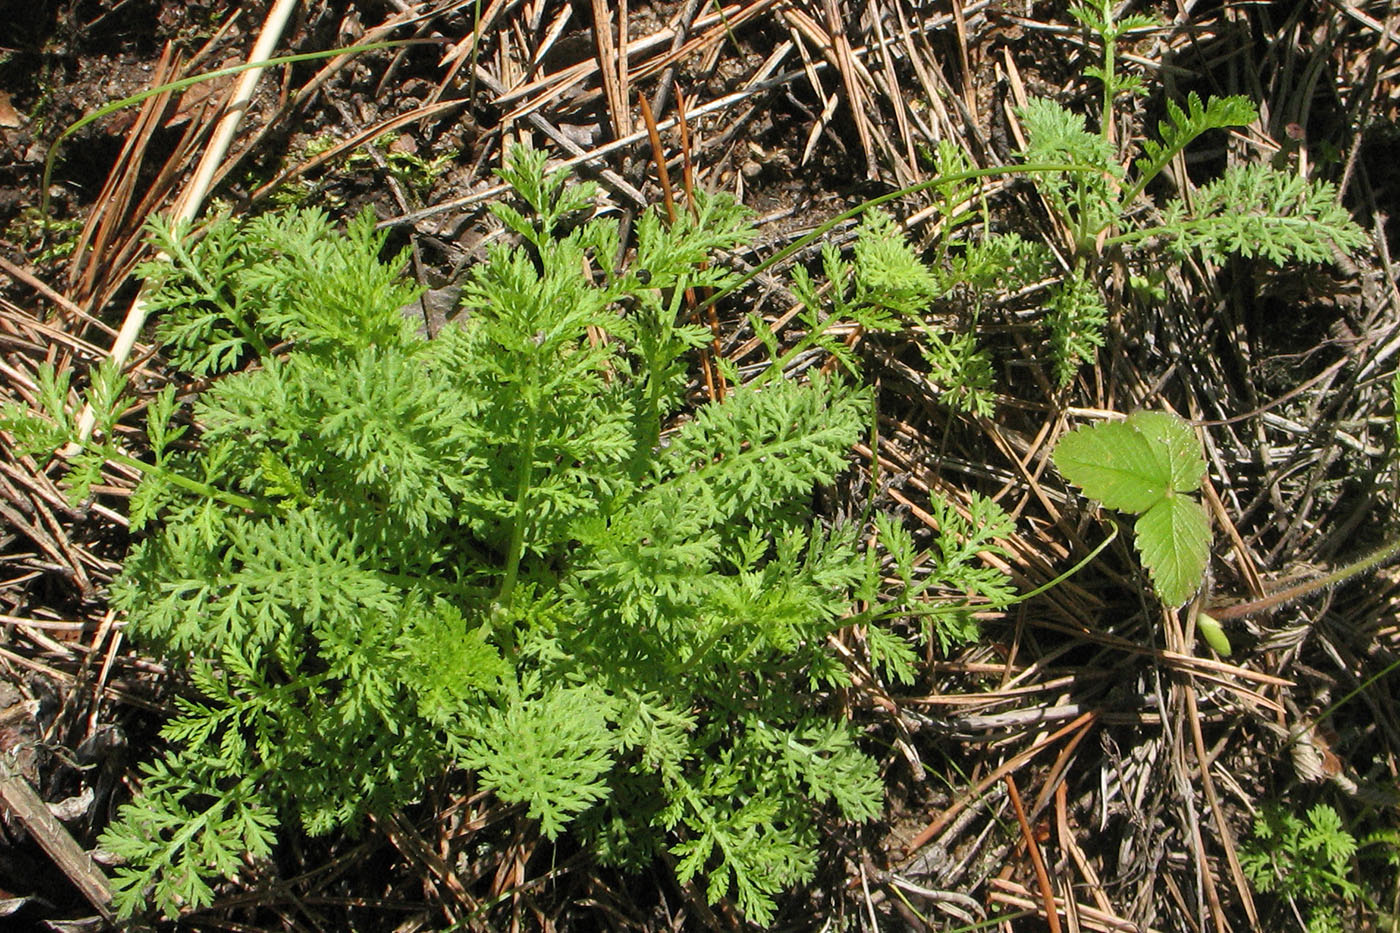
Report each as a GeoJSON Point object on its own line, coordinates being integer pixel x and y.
{"type": "Point", "coordinates": [1147, 233]}
{"type": "Point", "coordinates": [522, 495]}
{"type": "Point", "coordinates": [938, 181]}
{"type": "Point", "coordinates": [1110, 79]}
{"type": "Point", "coordinates": [185, 483]}
{"type": "Point", "coordinates": [1381, 555]}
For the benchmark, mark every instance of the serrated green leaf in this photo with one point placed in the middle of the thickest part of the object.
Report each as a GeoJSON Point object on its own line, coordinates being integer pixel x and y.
{"type": "Point", "coordinates": [1116, 464]}
{"type": "Point", "coordinates": [1173, 538]}
{"type": "Point", "coordinates": [1178, 441]}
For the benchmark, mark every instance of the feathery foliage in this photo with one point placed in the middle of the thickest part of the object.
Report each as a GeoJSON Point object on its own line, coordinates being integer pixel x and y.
{"type": "Point", "coordinates": [1252, 210]}
{"type": "Point", "coordinates": [383, 558]}
{"type": "Point", "coordinates": [1308, 859]}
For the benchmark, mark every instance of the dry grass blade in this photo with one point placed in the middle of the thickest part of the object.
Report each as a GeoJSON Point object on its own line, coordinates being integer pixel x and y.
{"type": "Point", "coordinates": [838, 48]}
{"type": "Point", "coordinates": [20, 324]}
{"type": "Point", "coordinates": [192, 198]}
{"type": "Point", "coordinates": [716, 26]}
{"type": "Point", "coordinates": [1014, 895]}
{"type": "Point", "coordinates": [609, 177]}
{"type": "Point", "coordinates": [410, 842]}
{"type": "Point", "coordinates": [1052, 915]}
{"type": "Point", "coordinates": [350, 144]}
{"type": "Point", "coordinates": [1227, 839]}
{"type": "Point", "coordinates": [610, 66]}
{"type": "Point", "coordinates": [96, 243]}
{"type": "Point", "coordinates": [1081, 722]}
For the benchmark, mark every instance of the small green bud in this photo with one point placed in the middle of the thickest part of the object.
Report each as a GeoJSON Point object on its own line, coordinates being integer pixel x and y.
{"type": "Point", "coordinates": [1213, 634]}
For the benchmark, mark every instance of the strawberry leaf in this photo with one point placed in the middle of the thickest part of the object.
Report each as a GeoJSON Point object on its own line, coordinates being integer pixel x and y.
{"type": "Point", "coordinates": [1178, 442]}
{"type": "Point", "coordinates": [1144, 465]}
{"type": "Point", "coordinates": [1173, 538]}
{"type": "Point", "coordinates": [1117, 464]}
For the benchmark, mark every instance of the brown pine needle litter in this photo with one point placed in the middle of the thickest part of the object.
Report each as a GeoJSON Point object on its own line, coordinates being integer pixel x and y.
{"type": "Point", "coordinates": [1085, 763]}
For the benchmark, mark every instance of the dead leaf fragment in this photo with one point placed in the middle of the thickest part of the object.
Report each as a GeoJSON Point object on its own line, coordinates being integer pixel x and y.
{"type": "Point", "coordinates": [9, 116]}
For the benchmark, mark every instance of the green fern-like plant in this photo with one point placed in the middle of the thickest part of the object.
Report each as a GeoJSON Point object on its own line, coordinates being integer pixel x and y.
{"type": "Point", "coordinates": [506, 550]}
{"type": "Point", "coordinates": [1304, 858]}
{"type": "Point", "coordinates": [1251, 210]}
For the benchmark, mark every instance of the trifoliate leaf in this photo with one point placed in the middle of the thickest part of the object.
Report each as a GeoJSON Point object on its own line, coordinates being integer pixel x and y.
{"type": "Point", "coordinates": [1143, 464]}
{"type": "Point", "coordinates": [1173, 538]}
{"type": "Point", "coordinates": [1179, 443]}
{"type": "Point", "coordinates": [1115, 463]}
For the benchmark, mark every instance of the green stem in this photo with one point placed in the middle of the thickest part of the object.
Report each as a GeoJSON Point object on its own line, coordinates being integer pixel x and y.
{"type": "Point", "coordinates": [516, 550]}
{"type": "Point", "coordinates": [1144, 233]}
{"type": "Point", "coordinates": [1381, 555]}
{"type": "Point", "coordinates": [184, 482]}
{"type": "Point", "coordinates": [702, 652]}
{"type": "Point", "coordinates": [1088, 559]}
{"type": "Point", "coordinates": [938, 181]}
{"type": "Point", "coordinates": [1110, 81]}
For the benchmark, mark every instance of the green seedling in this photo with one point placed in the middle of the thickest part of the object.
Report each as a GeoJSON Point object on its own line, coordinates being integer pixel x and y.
{"type": "Point", "coordinates": [1308, 860]}
{"type": "Point", "coordinates": [29, 231]}
{"type": "Point", "coordinates": [381, 559]}
{"type": "Point", "coordinates": [412, 170]}
{"type": "Point", "coordinates": [1251, 210]}
{"type": "Point", "coordinates": [1147, 465]}
{"type": "Point", "coordinates": [1104, 191]}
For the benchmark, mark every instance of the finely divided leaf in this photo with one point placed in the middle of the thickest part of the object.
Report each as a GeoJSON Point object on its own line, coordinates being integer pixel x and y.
{"type": "Point", "coordinates": [1176, 438]}
{"type": "Point", "coordinates": [478, 552]}
{"type": "Point", "coordinates": [1173, 538]}
{"type": "Point", "coordinates": [1116, 464]}
{"type": "Point", "coordinates": [550, 752]}
{"type": "Point", "coordinates": [1257, 210]}
{"type": "Point", "coordinates": [1182, 127]}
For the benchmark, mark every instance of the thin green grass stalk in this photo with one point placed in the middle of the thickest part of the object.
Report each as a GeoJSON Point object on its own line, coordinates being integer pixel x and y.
{"type": "Point", "coordinates": [105, 110]}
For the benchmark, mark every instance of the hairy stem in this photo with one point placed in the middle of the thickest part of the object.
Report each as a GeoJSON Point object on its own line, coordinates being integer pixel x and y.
{"type": "Point", "coordinates": [516, 549]}
{"type": "Point", "coordinates": [1386, 552]}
